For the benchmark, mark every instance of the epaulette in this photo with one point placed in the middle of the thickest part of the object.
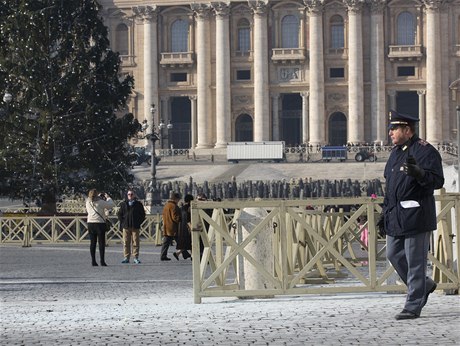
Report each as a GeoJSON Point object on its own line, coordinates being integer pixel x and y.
{"type": "Point", "coordinates": [422, 142]}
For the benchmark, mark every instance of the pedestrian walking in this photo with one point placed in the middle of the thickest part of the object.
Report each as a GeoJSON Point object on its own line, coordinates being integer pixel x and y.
{"type": "Point", "coordinates": [171, 222]}
{"type": "Point", "coordinates": [412, 173]}
{"type": "Point", "coordinates": [96, 206]}
{"type": "Point", "coordinates": [184, 236]}
{"type": "Point", "coordinates": [131, 216]}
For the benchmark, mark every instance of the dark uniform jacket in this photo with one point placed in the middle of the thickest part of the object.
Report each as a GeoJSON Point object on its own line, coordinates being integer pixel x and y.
{"type": "Point", "coordinates": [409, 206]}
{"type": "Point", "coordinates": [131, 216]}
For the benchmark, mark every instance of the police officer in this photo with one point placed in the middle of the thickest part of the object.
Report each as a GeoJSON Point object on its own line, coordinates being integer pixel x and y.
{"type": "Point", "coordinates": [412, 173]}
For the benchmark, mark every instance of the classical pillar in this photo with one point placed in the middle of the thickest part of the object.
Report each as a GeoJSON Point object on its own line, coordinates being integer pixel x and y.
{"type": "Point", "coordinates": [434, 85]}
{"type": "Point", "coordinates": [377, 60]}
{"type": "Point", "coordinates": [193, 126]}
{"type": "Point", "coordinates": [305, 127]}
{"type": "Point", "coordinates": [261, 94]}
{"type": "Point", "coordinates": [421, 113]}
{"type": "Point", "coordinates": [148, 15]}
{"type": "Point", "coordinates": [223, 94]}
{"type": "Point", "coordinates": [392, 95]}
{"type": "Point", "coordinates": [276, 117]}
{"type": "Point", "coordinates": [355, 73]}
{"type": "Point", "coordinates": [316, 104]}
{"type": "Point", "coordinates": [203, 57]}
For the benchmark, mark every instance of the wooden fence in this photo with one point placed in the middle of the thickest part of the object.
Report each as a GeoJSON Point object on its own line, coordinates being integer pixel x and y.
{"type": "Point", "coordinates": [309, 251]}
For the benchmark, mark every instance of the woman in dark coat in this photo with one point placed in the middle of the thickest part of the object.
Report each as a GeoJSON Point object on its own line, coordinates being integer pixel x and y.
{"type": "Point", "coordinates": [184, 237]}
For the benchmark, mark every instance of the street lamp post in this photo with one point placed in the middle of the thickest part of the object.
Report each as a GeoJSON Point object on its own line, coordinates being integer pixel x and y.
{"type": "Point", "coordinates": [153, 196]}
{"type": "Point", "coordinates": [458, 148]}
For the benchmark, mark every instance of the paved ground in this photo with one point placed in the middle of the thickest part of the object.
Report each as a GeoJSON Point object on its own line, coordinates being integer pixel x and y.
{"type": "Point", "coordinates": [50, 295]}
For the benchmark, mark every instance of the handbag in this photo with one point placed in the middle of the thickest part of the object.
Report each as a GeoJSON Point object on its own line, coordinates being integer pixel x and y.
{"type": "Point", "coordinates": [108, 223]}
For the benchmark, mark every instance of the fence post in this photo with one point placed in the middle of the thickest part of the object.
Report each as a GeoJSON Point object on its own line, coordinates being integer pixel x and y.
{"type": "Point", "coordinates": [26, 242]}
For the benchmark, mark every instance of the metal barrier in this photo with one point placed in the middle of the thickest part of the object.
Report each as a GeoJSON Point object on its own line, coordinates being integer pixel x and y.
{"type": "Point", "coordinates": [309, 247]}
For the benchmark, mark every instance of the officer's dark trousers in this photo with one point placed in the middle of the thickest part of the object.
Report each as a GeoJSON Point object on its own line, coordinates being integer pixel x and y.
{"type": "Point", "coordinates": [408, 255]}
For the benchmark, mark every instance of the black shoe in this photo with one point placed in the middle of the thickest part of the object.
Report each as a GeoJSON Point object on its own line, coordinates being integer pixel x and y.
{"type": "Point", "coordinates": [94, 264]}
{"type": "Point", "coordinates": [104, 264]}
{"type": "Point", "coordinates": [166, 259]}
{"type": "Point", "coordinates": [186, 255]}
{"type": "Point", "coordinates": [428, 293]}
{"type": "Point", "coordinates": [406, 315]}
{"type": "Point", "coordinates": [176, 256]}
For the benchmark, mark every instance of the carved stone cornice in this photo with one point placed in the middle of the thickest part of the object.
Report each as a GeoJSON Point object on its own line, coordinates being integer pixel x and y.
{"type": "Point", "coordinates": [222, 9]}
{"type": "Point", "coordinates": [433, 5]}
{"type": "Point", "coordinates": [354, 6]}
{"type": "Point", "coordinates": [314, 6]}
{"type": "Point", "coordinates": [202, 11]}
{"type": "Point", "coordinates": [146, 13]}
{"type": "Point", "coordinates": [259, 7]}
{"type": "Point", "coordinates": [377, 6]}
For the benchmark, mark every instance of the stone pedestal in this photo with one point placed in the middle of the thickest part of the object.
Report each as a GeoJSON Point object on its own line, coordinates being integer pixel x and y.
{"type": "Point", "coordinates": [261, 248]}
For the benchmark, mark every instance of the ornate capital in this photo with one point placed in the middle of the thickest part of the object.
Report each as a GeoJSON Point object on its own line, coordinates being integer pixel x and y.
{"type": "Point", "coordinates": [377, 6]}
{"type": "Point", "coordinates": [433, 5]}
{"type": "Point", "coordinates": [354, 6]}
{"type": "Point", "coordinates": [222, 9]}
{"type": "Point", "coordinates": [193, 97]}
{"type": "Point", "coordinates": [259, 7]}
{"type": "Point", "coordinates": [314, 6]}
{"type": "Point", "coordinates": [202, 11]}
{"type": "Point", "coordinates": [305, 94]}
{"type": "Point", "coordinates": [421, 92]}
{"type": "Point", "coordinates": [146, 13]}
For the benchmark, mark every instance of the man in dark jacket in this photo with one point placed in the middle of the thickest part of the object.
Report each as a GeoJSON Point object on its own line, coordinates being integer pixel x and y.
{"type": "Point", "coordinates": [412, 173]}
{"type": "Point", "coordinates": [131, 215]}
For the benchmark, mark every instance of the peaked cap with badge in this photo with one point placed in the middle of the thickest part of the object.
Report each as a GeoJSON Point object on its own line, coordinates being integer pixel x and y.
{"type": "Point", "coordinates": [396, 118]}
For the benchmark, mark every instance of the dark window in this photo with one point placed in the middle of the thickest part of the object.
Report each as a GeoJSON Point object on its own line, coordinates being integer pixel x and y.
{"type": "Point", "coordinates": [243, 75]}
{"type": "Point", "coordinates": [179, 77]}
{"type": "Point", "coordinates": [337, 72]}
{"type": "Point", "coordinates": [404, 71]}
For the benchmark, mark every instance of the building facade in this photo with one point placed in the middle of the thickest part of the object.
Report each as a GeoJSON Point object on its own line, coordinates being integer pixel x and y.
{"type": "Point", "coordinates": [303, 72]}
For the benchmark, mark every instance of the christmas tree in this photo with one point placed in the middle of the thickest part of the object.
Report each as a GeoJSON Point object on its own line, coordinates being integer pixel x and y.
{"type": "Point", "coordinates": [62, 92]}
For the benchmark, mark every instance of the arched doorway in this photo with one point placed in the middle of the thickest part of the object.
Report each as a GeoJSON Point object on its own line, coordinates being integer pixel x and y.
{"type": "Point", "coordinates": [244, 128]}
{"type": "Point", "coordinates": [338, 129]}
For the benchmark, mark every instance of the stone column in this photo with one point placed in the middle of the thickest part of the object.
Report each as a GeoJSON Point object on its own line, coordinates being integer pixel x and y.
{"type": "Point", "coordinates": [421, 112]}
{"type": "Point", "coordinates": [260, 248]}
{"type": "Point", "coordinates": [433, 76]}
{"type": "Point", "coordinates": [148, 15]}
{"type": "Point", "coordinates": [392, 95]}
{"type": "Point", "coordinates": [203, 57]}
{"type": "Point", "coordinates": [276, 117]}
{"type": "Point", "coordinates": [378, 110]}
{"type": "Point", "coordinates": [316, 104]}
{"type": "Point", "coordinates": [261, 92]}
{"type": "Point", "coordinates": [194, 121]}
{"type": "Point", "coordinates": [355, 72]}
{"type": "Point", "coordinates": [223, 88]}
{"type": "Point", "coordinates": [305, 117]}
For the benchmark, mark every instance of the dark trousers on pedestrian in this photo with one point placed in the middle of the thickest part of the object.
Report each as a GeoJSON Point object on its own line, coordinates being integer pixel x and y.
{"type": "Point", "coordinates": [97, 233]}
{"type": "Point", "coordinates": [167, 242]}
{"type": "Point", "coordinates": [408, 255]}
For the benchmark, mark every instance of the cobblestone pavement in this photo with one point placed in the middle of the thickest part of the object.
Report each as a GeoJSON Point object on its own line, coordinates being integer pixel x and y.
{"type": "Point", "coordinates": [51, 295]}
